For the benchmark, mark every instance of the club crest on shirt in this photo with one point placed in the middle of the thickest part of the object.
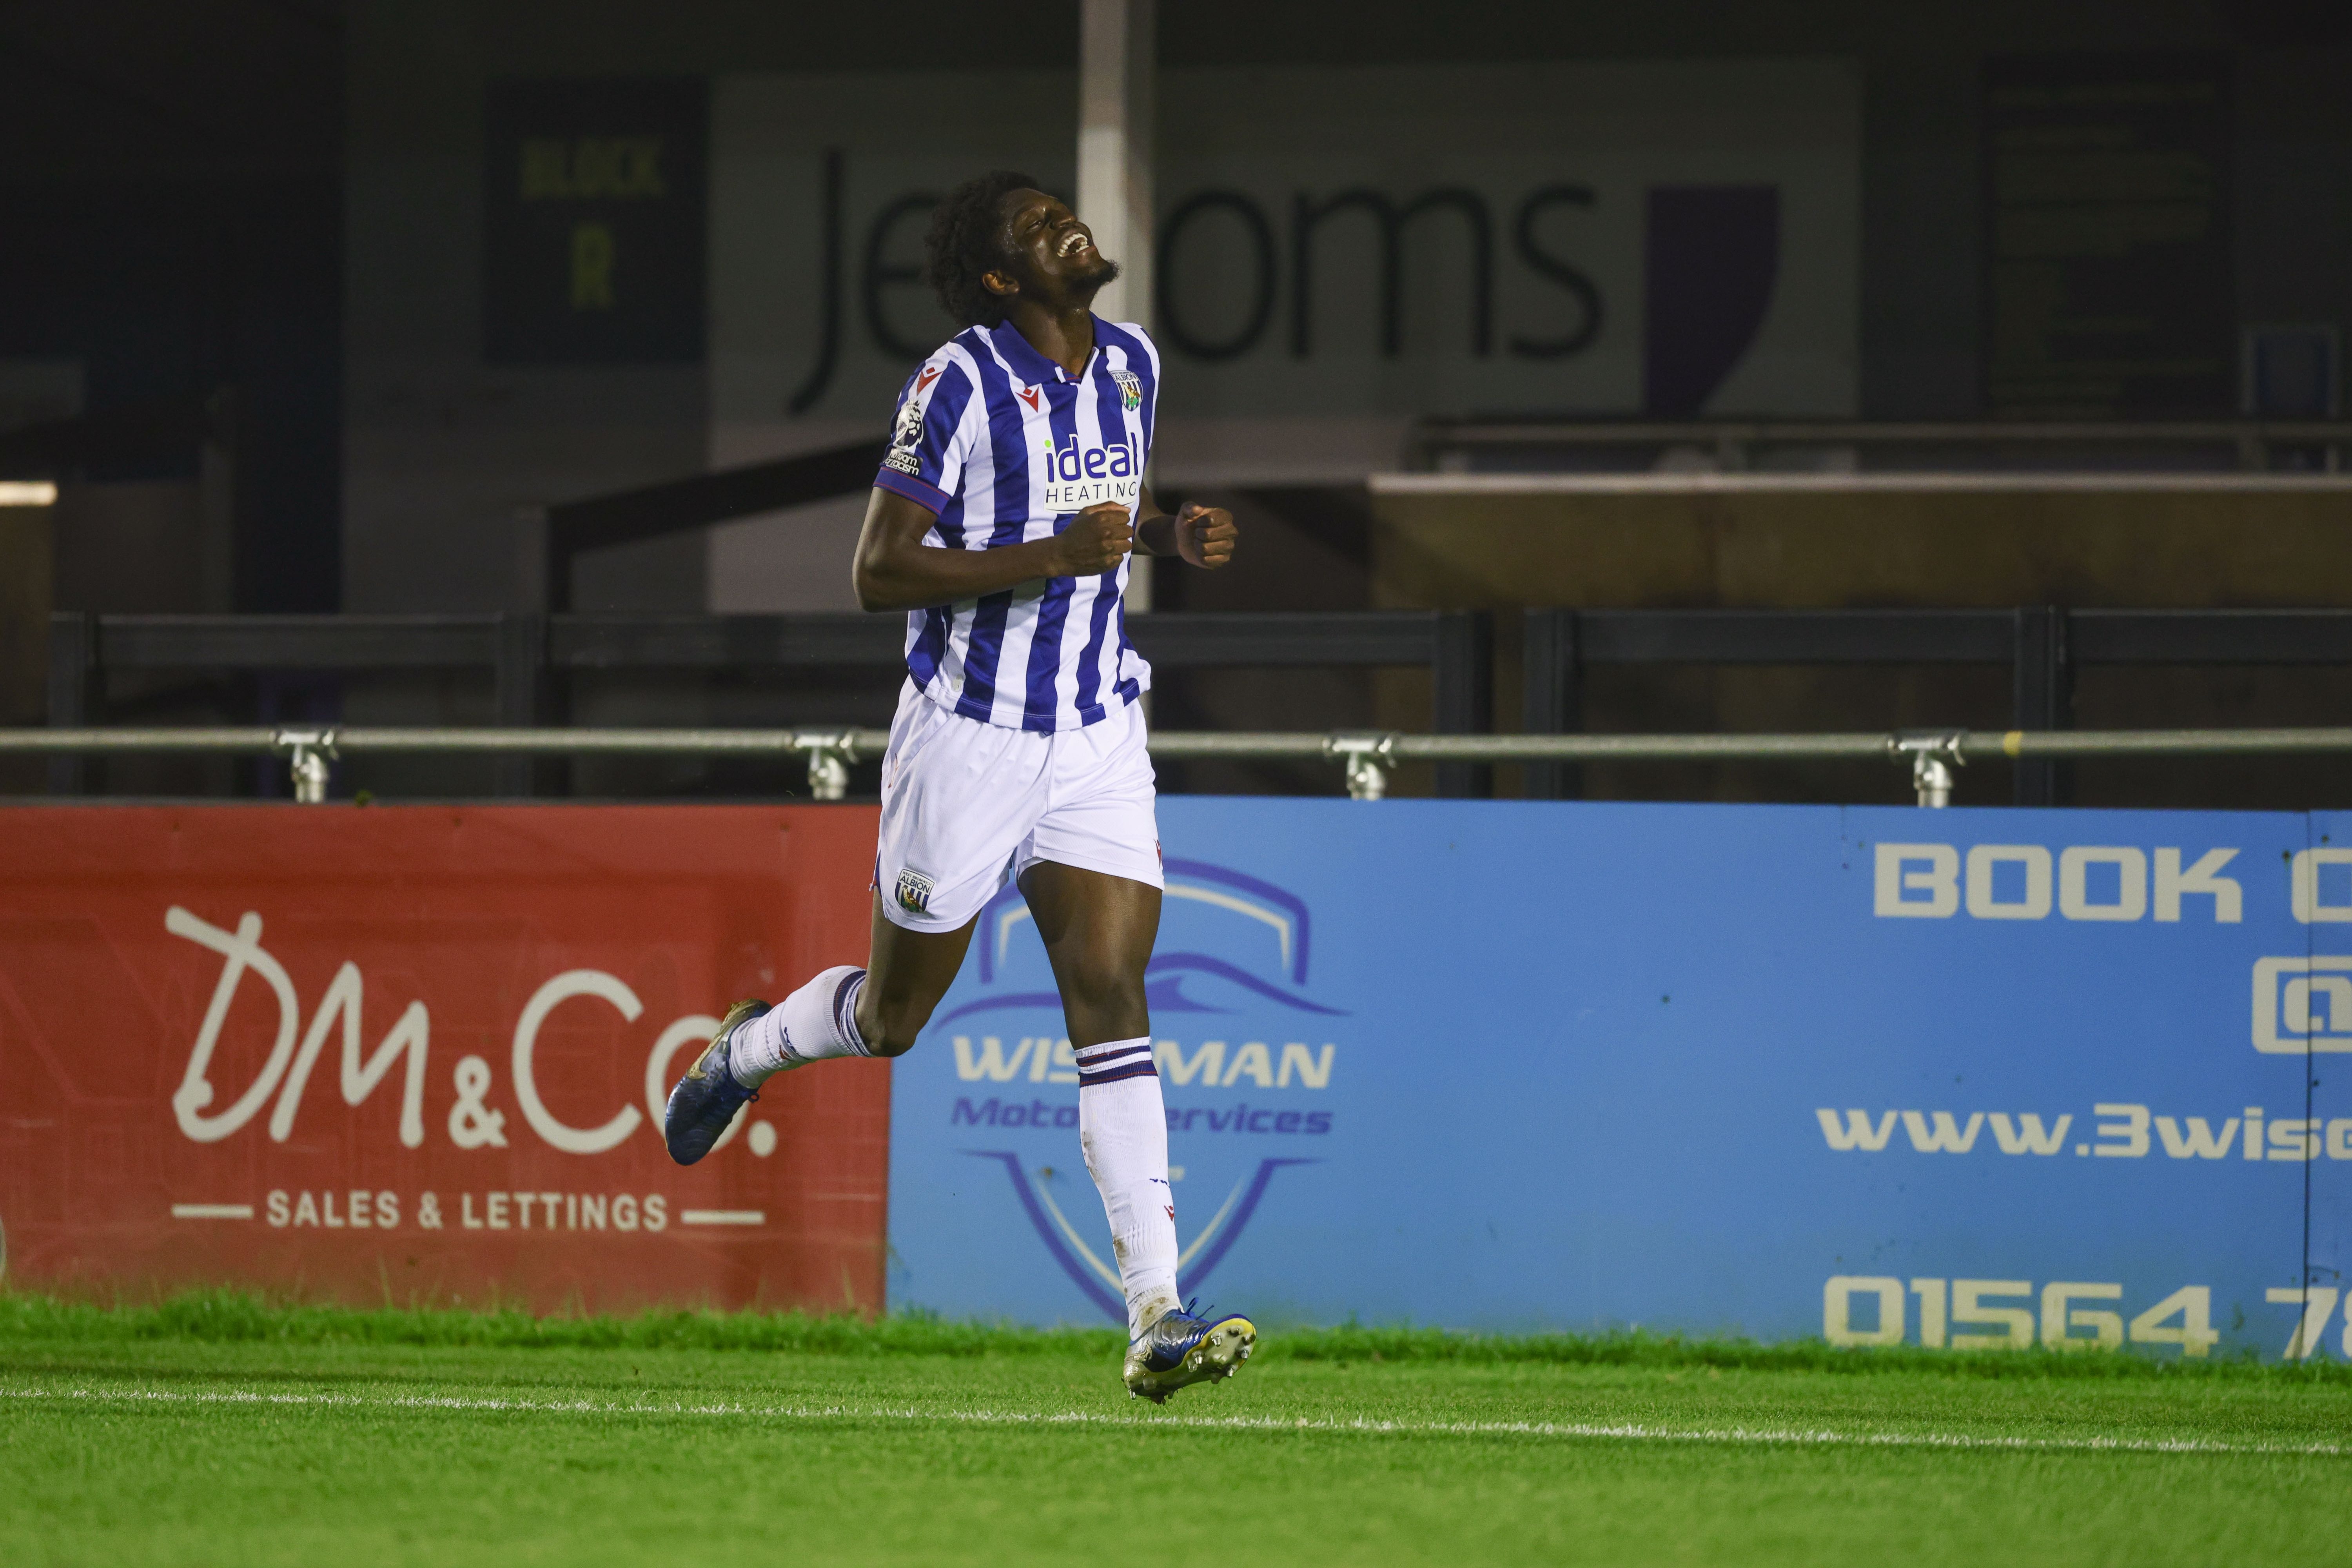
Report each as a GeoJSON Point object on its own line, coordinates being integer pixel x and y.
{"type": "Point", "coordinates": [1130, 389]}
{"type": "Point", "coordinates": [915, 890]}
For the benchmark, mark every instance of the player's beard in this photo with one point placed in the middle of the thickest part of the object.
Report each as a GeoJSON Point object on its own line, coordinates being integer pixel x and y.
{"type": "Point", "coordinates": [1091, 282]}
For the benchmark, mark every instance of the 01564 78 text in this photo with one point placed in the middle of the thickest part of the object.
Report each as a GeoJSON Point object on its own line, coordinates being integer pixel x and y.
{"type": "Point", "coordinates": [2074, 1315]}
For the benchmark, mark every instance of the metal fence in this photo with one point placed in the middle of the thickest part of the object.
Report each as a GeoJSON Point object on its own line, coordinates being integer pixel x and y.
{"type": "Point", "coordinates": [1366, 757]}
{"type": "Point", "coordinates": [531, 658]}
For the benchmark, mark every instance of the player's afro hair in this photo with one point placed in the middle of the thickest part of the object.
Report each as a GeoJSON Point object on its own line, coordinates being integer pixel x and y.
{"type": "Point", "coordinates": [966, 239]}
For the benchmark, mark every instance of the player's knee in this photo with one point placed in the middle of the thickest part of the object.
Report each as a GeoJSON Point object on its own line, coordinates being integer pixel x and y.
{"type": "Point", "coordinates": [894, 1023]}
{"type": "Point", "coordinates": [1108, 1001]}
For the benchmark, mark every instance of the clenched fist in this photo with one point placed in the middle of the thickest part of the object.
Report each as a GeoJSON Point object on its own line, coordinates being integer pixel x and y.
{"type": "Point", "coordinates": [1205, 536]}
{"type": "Point", "coordinates": [1097, 541]}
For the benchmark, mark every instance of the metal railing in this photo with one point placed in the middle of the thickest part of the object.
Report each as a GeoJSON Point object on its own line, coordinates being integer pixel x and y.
{"type": "Point", "coordinates": [531, 659]}
{"type": "Point", "coordinates": [1366, 757]}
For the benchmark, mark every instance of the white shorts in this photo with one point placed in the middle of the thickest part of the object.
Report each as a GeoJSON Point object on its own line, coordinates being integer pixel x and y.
{"type": "Point", "coordinates": [967, 806]}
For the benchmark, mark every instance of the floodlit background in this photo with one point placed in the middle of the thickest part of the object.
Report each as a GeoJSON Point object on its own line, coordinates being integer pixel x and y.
{"type": "Point", "coordinates": [309, 306]}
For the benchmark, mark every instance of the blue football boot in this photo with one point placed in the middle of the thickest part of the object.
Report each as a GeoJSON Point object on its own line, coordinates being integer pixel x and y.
{"type": "Point", "coordinates": [1182, 1349]}
{"type": "Point", "coordinates": [706, 1098]}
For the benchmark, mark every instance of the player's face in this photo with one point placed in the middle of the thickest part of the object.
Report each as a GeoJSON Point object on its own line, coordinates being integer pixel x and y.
{"type": "Point", "coordinates": [1051, 256]}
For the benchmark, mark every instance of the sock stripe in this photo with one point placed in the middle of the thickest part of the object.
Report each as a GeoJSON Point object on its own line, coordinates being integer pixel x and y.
{"type": "Point", "coordinates": [844, 1010]}
{"type": "Point", "coordinates": [1098, 1056]}
{"type": "Point", "coordinates": [1112, 1075]}
{"type": "Point", "coordinates": [1123, 1126]}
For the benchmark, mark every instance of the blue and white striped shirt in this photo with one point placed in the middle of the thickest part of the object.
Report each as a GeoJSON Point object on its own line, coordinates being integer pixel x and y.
{"type": "Point", "coordinates": [1001, 445]}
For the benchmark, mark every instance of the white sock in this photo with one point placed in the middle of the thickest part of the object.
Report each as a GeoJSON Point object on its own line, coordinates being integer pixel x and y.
{"type": "Point", "coordinates": [817, 1021]}
{"type": "Point", "coordinates": [1123, 1128]}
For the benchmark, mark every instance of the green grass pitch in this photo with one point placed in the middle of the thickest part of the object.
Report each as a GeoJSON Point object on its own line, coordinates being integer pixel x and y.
{"type": "Point", "coordinates": [221, 1432]}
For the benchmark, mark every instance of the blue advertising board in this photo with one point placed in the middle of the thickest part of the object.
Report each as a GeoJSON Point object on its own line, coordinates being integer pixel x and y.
{"type": "Point", "coordinates": [1966, 1078]}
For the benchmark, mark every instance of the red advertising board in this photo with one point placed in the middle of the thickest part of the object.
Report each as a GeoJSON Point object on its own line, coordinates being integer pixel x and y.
{"type": "Point", "coordinates": [417, 1053]}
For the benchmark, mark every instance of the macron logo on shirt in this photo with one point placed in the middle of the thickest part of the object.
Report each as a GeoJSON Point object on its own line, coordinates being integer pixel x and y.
{"type": "Point", "coordinates": [1077, 477]}
{"type": "Point", "coordinates": [1001, 446]}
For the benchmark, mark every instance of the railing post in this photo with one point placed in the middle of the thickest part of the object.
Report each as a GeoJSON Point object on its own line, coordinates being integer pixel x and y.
{"type": "Point", "coordinates": [521, 692]}
{"type": "Point", "coordinates": [2043, 698]}
{"type": "Point", "coordinates": [1552, 700]}
{"type": "Point", "coordinates": [1367, 759]}
{"type": "Point", "coordinates": [1463, 671]}
{"type": "Point", "coordinates": [309, 758]}
{"type": "Point", "coordinates": [73, 656]}
{"type": "Point", "coordinates": [1932, 757]}
{"type": "Point", "coordinates": [830, 757]}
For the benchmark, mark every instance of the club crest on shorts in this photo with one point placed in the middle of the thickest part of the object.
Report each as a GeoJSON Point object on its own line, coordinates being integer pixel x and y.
{"type": "Point", "coordinates": [1130, 389]}
{"type": "Point", "coordinates": [915, 890]}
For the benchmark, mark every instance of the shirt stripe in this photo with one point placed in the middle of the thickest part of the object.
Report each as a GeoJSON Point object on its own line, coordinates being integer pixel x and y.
{"type": "Point", "coordinates": [1003, 445]}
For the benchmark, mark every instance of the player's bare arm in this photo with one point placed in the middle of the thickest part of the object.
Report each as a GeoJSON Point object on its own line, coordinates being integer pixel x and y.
{"type": "Point", "coordinates": [894, 570]}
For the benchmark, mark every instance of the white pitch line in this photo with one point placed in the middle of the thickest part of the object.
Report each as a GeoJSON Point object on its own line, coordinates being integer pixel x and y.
{"type": "Point", "coordinates": [1622, 1432]}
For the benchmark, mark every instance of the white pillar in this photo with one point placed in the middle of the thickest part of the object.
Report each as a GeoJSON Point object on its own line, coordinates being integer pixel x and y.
{"type": "Point", "coordinates": [1115, 111]}
{"type": "Point", "coordinates": [1116, 69]}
